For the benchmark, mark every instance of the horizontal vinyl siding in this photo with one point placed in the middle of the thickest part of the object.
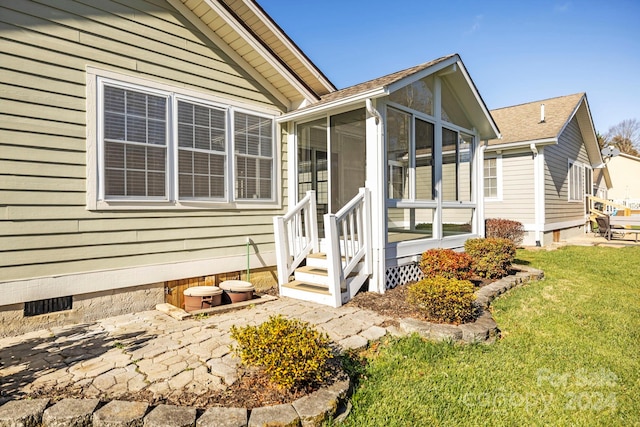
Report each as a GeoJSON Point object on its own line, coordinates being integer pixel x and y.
{"type": "Point", "coordinates": [518, 198]}
{"type": "Point", "coordinates": [45, 47]}
{"type": "Point", "coordinates": [570, 147]}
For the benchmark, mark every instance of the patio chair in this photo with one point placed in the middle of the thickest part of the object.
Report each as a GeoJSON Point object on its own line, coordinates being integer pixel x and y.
{"type": "Point", "coordinates": [607, 230]}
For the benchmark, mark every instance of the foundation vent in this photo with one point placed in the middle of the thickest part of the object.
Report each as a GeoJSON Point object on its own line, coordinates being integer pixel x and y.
{"type": "Point", "coordinates": [44, 306]}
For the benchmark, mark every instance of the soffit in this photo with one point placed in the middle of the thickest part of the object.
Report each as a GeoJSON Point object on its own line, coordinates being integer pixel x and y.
{"type": "Point", "coordinates": [253, 35]}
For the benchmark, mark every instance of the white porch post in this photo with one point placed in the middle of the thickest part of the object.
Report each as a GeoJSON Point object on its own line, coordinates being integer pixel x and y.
{"type": "Point", "coordinates": [478, 186]}
{"type": "Point", "coordinates": [538, 176]}
{"type": "Point", "coordinates": [376, 182]}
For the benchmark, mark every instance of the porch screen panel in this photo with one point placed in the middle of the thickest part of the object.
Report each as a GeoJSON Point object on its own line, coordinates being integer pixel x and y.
{"type": "Point", "coordinates": [465, 153]}
{"type": "Point", "coordinates": [449, 165]}
{"type": "Point", "coordinates": [253, 142]}
{"type": "Point", "coordinates": [398, 134]}
{"type": "Point", "coordinates": [409, 224]}
{"type": "Point", "coordinates": [417, 96]}
{"type": "Point", "coordinates": [201, 151]}
{"type": "Point", "coordinates": [456, 221]}
{"type": "Point", "coordinates": [135, 144]}
{"type": "Point", "coordinates": [424, 160]}
{"type": "Point", "coordinates": [348, 156]}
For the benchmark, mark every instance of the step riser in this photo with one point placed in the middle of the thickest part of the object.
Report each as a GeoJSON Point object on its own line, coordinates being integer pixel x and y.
{"type": "Point", "coordinates": [317, 262]}
{"type": "Point", "coordinates": [311, 278]}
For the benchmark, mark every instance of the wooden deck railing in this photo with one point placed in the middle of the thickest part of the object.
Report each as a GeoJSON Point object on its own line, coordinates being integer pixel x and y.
{"type": "Point", "coordinates": [598, 206]}
{"type": "Point", "coordinates": [296, 235]}
{"type": "Point", "coordinates": [349, 241]}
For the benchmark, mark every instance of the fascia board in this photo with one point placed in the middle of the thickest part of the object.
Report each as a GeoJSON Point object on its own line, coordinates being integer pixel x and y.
{"type": "Point", "coordinates": [228, 50]}
{"type": "Point", "coordinates": [421, 74]}
{"type": "Point", "coordinates": [258, 47]}
{"type": "Point", "coordinates": [291, 46]}
{"type": "Point", "coordinates": [483, 106]}
{"type": "Point", "coordinates": [310, 111]}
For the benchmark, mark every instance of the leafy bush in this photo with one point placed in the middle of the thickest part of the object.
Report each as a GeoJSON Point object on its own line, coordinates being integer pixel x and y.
{"type": "Point", "coordinates": [505, 229]}
{"type": "Point", "coordinates": [444, 300]}
{"type": "Point", "coordinates": [446, 263]}
{"type": "Point", "coordinates": [291, 352]}
{"type": "Point", "coordinates": [492, 257]}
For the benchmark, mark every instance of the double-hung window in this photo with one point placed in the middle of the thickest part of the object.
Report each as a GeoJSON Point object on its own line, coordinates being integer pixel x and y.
{"type": "Point", "coordinates": [576, 181]}
{"type": "Point", "coordinates": [177, 150]}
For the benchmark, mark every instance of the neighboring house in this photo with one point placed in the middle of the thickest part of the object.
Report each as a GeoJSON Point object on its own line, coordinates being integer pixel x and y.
{"type": "Point", "coordinates": [625, 174]}
{"type": "Point", "coordinates": [541, 170]}
{"type": "Point", "coordinates": [142, 143]}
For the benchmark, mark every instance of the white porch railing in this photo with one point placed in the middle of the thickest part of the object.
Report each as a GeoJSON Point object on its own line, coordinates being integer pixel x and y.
{"type": "Point", "coordinates": [296, 235]}
{"type": "Point", "coordinates": [348, 233]}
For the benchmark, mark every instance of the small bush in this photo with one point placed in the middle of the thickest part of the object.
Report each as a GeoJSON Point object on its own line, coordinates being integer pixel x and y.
{"type": "Point", "coordinates": [492, 257]}
{"type": "Point", "coordinates": [505, 229]}
{"type": "Point", "coordinates": [291, 352]}
{"type": "Point", "coordinates": [444, 300]}
{"type": "Point", "coordinates": [446, 263]}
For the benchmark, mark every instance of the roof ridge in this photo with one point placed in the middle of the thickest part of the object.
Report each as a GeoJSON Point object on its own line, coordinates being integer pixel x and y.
{"type": "Point", "coordinates": [582, 94]}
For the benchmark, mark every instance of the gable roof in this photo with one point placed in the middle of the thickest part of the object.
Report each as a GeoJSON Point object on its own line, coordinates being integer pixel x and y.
{"type": "Point", "coordinates": [244, 31]}
{"type": "Point", "coordinates": [382, 86]}
{"type": "Point", "coordinates": [521, 125]}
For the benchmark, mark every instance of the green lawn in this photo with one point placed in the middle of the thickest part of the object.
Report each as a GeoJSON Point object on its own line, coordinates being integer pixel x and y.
{"type": "Point", "coordinates": [569, 355]}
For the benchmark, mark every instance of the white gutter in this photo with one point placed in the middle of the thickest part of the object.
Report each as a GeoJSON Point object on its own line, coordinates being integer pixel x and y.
{"type": "Point", "coordinates": [522, 144]}
{"type": "Point", "coordinates": [342, 102]}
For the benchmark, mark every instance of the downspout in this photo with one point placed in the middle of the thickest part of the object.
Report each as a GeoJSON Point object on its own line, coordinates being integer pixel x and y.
{"type": "Point", "coordinates": [375, 179]}
{"type": "Point", "coordinates": [537, 200]}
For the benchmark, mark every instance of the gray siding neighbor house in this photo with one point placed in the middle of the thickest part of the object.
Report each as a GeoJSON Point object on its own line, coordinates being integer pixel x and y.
{"type": "Point", "coordinates": [542, 168]}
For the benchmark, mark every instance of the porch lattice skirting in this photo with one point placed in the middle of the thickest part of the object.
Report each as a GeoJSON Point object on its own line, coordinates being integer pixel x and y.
{"type": "Point", "coordinates": [402, 274]}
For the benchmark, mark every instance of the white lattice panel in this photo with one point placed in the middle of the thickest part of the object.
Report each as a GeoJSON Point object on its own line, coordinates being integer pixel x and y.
{"type": "Point", "coordinates": [402, 274]}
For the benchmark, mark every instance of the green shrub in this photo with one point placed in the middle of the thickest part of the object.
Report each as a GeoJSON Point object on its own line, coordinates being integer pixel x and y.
{"type": "Point", "coordinates": [492, 257]}
{"type": "Point", "coordinates": [291, 352]}
{"type": "Point", "coordinates": [444, 300]}
{"type": "Point", "coordinates": [446, 263]}
{"type": "Point", "coordinates": [504, 229]}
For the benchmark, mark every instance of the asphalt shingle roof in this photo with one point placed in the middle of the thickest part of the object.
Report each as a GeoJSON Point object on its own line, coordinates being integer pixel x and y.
{"type": "Point", "coordinates": [520, 123]}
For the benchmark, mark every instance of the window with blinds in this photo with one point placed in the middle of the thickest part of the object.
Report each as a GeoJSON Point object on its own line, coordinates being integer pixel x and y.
{"type": "Point", "coordinates": [202, 151]}
{"type": "Point", "coordinates": [253, 156]}
{"type": "Point", "coordinates": [163, 146]}
{"type": "Point", "coordinates": [135, 144]}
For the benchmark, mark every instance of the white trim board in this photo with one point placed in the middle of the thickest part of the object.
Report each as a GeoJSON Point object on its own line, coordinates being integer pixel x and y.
{"type": "Point", "coordinates": [19, 291]}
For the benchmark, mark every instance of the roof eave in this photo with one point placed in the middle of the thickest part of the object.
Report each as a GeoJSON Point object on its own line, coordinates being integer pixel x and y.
{"type": "Point", "coordinates": [521, 144]}
{"type": "Point", "coordinates": [338, 103]}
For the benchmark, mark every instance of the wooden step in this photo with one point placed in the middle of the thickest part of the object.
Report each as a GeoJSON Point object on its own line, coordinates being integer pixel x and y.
{"type": "Point", "coordinates": [308, 287]}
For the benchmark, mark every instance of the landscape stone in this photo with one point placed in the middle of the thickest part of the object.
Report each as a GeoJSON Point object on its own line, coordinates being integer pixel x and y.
{"type": "Point", "coordinates": [272, 416]}
{"type": "Point", "coordinates": [22, 413]}
{"type": "Point", "coordinates": [170, 416]}
{"type": "Point", "coordinates": [70, 413]}
{"type": "Point", "coordinates": [118, 413]}
{"type": "Point", "coordinates": [223, 417]}
{"type": "Point", "coordinates": [316, 408]}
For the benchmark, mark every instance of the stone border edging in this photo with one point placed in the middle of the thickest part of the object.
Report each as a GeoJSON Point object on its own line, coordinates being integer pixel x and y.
{"type": "Point", "coordinates": [484, 329]}
{"type": "Point", "coordinates": [310, 410]}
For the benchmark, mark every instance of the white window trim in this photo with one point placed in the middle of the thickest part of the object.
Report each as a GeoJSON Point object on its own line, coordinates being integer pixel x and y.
{"type": "Point", "coordinates": [581, 167]}
{"type": "Point", "coordinates": [499, 181]}
{"type": "Point", "coordinates": [95, 163]}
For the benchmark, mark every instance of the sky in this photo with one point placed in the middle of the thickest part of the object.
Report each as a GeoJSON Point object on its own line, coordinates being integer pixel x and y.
{"type": "Point", "coordinates": [516, 51]}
